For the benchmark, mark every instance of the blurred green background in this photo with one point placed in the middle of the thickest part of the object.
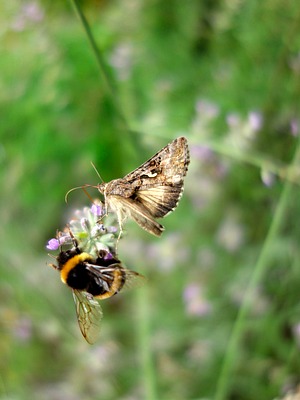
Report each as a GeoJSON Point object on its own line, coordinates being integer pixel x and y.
{"type": "Point", "coordinates": [219, 317]}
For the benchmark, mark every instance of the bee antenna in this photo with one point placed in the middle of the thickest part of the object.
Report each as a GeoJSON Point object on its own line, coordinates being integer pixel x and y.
{"type": "Point", "coordinates": [97, 172]}
{"type": "Point", "coordinates": [54, 266]}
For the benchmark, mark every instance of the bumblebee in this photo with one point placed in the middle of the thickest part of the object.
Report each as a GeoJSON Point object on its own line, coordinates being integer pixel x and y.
{"type": "Point", "coordinates": [93, 277]}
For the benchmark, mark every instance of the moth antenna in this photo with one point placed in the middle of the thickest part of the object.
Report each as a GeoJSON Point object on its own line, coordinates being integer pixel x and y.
{"type": "Point", "coordinates": [69, 191]}
{"type": "Point", "coordinates": [97, 172]}
{"type": "Point", "coordinates": [78, 187]}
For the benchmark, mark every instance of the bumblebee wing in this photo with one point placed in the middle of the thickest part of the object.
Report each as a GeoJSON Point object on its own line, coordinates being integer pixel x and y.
{"type": "Point", "coordinates": [133, 279]}
{"type": "Point", "coordinates": [89, 315]}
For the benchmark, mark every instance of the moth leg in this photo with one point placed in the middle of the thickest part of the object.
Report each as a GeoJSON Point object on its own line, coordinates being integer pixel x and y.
{"type": "Point", "coordinates": [121, 219]}
{"type": "Point", "coordinates": [120, 231]}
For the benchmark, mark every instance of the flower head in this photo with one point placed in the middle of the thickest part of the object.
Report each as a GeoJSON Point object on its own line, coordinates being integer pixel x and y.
{"type": "Point", "coordinates": [90, 233]}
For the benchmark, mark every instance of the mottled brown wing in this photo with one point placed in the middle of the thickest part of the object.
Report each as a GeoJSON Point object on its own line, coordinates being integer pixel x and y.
{"type": "Point", "coordinates": [160, 200]}
{"type": "Point", "coordinates": [89, 315]}
{"type": "Point", "coordinates": [126, 207]}
{"type": "Point", "coordinates": [161, 178]}
{"type": "Point", "coordinates": [168, 165]}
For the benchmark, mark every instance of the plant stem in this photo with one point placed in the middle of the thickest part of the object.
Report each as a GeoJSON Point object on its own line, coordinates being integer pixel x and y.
{"type": "Point", "coordinates": [260, 269]}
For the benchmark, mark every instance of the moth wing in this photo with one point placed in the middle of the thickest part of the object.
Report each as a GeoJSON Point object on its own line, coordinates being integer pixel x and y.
{"type": "Point", "coordinates": [168, 164]}
{"type": "Point", "coordinates": [160, 200]}
{"type": "Point", "coordinates": [126, 207]}
{"type": "Point", "coordinates": [89, 315]}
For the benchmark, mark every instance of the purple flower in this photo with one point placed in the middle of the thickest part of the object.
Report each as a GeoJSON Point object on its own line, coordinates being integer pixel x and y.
{"type": "Point", "coordinates": [23, 329]}
{"type": "Point", "coordinates": [33, 12]}
{"type": "Point", "coordinates": [294, 125]}
{"type": "Point", "coordinates": [233, 120]}
{"type": "Point", "coordinates": [268, 178]}
{"type": "Point", "coordinates": [122, 59]}
{"type": "Point", "coordinates": [202, 153]}
{"type": "Point", "coordinates": [87, 232]}
{"type": "Point", "coordinates": [53, 244]}
{"type": "Point", "coordinates": [30, 12]}
{"type": "Point", "coordinates": [255, 120]}
{"type": "Point", "coordinates": [112, 229]}
{"type": "Point", "coordinates": [19, 23]}
{"type": "Point", "coordinates": [97, 210]}
{"type": "Point", "coordinates": [207, 109]}
{"type": "Point", "coordinates": [108, 256]}
{"type": "Point", "coordinates": [296, 331]}
{"type": "Point", "coordinates": [195, 302]}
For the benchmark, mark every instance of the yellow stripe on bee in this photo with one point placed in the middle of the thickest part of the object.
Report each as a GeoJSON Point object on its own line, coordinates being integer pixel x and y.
{"type": "Point", "coordinates": [70, 264]}
{"type": "Point", "coordinates": [116, 286]}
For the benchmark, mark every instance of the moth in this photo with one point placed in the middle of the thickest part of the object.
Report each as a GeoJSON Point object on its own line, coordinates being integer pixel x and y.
{"type": "Point", "coordinates": [152, 190]}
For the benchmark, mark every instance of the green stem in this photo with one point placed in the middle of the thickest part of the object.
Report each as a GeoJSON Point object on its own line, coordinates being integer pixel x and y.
{"type": "Point", "coordinates": [223, 384]}
{"type": "Point", "coordinates": [143, 326]}
{"type": "Point", "coordinates": [2, 387]}
{"type": "Point", "coordinates": [290, 173]}
{"type": "Point", "coordinates": [104, 72]}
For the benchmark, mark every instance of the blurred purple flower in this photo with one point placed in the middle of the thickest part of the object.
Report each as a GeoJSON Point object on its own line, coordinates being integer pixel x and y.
{"type": "Point", "coordinates": [200, 351]}
{"type": "Point", "coordinates": [163, 254]}
{"type": "Point", "coordinates": [233, 120]}
{"type": "Point", "coordinates": [207, 109]}
{"type": "Point", "coordinates": [267, 177]}
{"type": "Point", "coordinates": [231, 233]}
{"type": "Point", "coordinates": [23, 329]}
{"type": "Point", "coordinates": [195, 302]}
{"type": "Point", "coordinates": [33, 12]}
{"type": "Point", "coordinates": [121, 59]}
{"type": "Point", "coordinates": [294, 125]}
{"type": "Point", "coordinates": [30, 12]}
{"type": "Point", "coordinates": [18, 24]}
{"type": "Point", "coordinates": [296, 331]}
{"type": "Point", "coordinates": [202, 153]}
{"type": "Point", "coordinates": [294, 63]}
{"type": "Point", "coordinates": [255, 120]}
